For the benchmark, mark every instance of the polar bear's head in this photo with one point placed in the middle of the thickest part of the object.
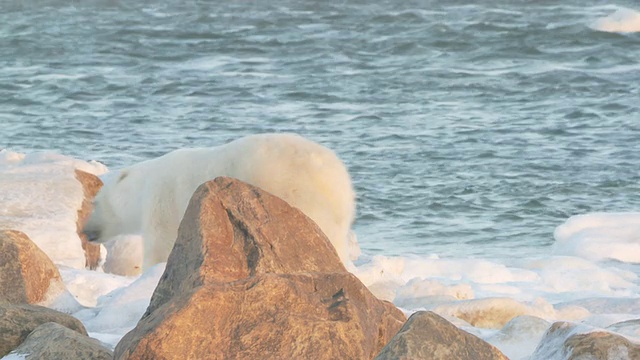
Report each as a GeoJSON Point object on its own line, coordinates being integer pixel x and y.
{"type": "Point", "coordinates": [113, 208]}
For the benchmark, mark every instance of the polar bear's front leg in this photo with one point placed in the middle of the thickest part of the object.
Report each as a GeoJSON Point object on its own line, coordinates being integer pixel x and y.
{"type": "Point", "coordinates": [160, 232]}
{"type": "Point", "coordinates": [157, 248]}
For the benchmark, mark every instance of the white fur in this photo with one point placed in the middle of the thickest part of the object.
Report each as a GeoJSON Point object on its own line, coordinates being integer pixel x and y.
{"type": "Point", "coordinates": [150, 198]}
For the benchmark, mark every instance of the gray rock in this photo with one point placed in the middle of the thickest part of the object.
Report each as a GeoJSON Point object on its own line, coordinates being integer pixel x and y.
{"type": "Point", "coordinates": [54, 341]}
{"type": "Point", "coordinates": [26, 272]}
{"type": "Point", "coordinates": [17, 321]}
{"type": "Point", "coordinates": [426, 335]}
{"type": "Point", "coordinates": [567, 341]}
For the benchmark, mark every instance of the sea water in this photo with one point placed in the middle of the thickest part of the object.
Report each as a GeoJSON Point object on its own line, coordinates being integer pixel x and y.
{"type": "Point", "coordinates": [494, 145]}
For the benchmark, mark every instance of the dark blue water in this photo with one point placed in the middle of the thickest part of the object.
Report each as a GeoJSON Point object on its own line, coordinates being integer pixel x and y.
{"type": "Point", "coordinates": [471, 128]}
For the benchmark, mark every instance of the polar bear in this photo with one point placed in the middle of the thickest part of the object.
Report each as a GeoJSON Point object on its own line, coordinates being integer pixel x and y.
{"type": "Point", "coordinates": [150, 198]}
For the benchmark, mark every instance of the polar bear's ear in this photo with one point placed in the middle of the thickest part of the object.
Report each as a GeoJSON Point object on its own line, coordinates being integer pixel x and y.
{"type": "Point", "coordinates": [123, 175]}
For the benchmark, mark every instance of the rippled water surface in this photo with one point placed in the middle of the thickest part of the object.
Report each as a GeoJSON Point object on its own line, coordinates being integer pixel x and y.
{"type": "Point", "coordinates": [470, 128]}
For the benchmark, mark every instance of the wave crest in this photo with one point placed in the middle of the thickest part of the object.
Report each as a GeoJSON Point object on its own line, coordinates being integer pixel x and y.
{"type": "Point", "coordinates": [623, 21]}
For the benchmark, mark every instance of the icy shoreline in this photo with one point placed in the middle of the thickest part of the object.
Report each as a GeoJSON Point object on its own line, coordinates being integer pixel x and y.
{"type": "Point", "coordinates": [590, 276]}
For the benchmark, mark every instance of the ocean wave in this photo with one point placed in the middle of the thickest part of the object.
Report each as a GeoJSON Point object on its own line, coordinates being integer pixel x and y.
{"type": "Point", "coordinates": [600, 236]}
{"type": "Point", "coordinates": [622, 20]}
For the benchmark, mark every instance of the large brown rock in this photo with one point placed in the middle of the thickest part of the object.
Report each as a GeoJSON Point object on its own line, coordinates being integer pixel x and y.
{"type": "Point", "coordinates": [252, 277]}
{"type": "Point", "coordinates": [17, 321]}
{"type": "Point", "coordinates": [568, 341]}
{"type": "Point", "coordinates": [54, 341]}
{"type": "Point", "coordinates": [26, 272]}
{"type": "Point", "coordinates": [428, 336]}
{"type": "Point", "coordinates": [91, 184]}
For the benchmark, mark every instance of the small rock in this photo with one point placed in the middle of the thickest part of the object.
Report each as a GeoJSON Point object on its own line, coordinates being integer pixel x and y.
{"type": "Point", "coordinates": [567, 341]}
{"type": "Point", "coordinates": [426, 335]}
{"type": "Point", "coordinates": [26, 273]}
{"type": "Point", "coordinates": [54, 341]}
{"type": "Point", "coordinates": [17, 321]}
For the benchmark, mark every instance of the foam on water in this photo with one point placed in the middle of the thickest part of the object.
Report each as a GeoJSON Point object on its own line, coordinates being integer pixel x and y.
{"type": "Point", "coordinates": [600, 236]}
{"type": "Point", "coordinates": [118, 311]}
{"type": "Point", "coordinates": [520, 297]}
{"type": "Point", "coordinates": [622, 20]}
{"type": "Point", "coordinates": [628, 328]}
{"type": "Point", "coordinates": [402, 279]}
{"type": "Point", "coordinates": [89, 286]}
{"type": "Point", "coordinates": [519, 337]}
{"type": "Point", "coordinates": [14, 356]}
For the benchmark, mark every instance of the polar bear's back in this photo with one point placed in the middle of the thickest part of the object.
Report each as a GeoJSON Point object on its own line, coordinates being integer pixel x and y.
{"type": "Point", "coordinates": [307, 175]}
